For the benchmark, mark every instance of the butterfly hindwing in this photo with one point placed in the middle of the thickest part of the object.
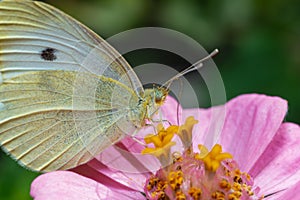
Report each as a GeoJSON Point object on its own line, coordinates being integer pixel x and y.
{"type": "Point", "coordinates": [47, 126]}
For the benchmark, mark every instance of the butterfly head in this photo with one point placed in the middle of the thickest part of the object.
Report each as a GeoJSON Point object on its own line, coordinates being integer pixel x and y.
{"type": "Point", "coordinates": [148, 104]}
{"type": "Point", "coordinates": [154, 98]}
{"type": "Point", "coordinates": [160, 94]}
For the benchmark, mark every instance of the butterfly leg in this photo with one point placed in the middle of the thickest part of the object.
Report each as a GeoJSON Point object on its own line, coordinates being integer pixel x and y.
{"type": "Point", "coordinates": [133, 136]}
{"type": "Point", "coordinates": [160, 120]}
{"type": "Point", "coordinates": [138, 141]}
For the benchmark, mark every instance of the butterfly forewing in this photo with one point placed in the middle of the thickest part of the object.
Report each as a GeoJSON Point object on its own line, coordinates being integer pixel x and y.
{"type": "Point", "coordinates": [63, 89]}
{"type": "Point", "coordinates": [29, 28]}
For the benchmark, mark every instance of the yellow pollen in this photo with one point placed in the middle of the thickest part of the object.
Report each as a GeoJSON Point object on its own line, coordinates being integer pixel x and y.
{"type": "Point", "coordinates": [224, 184]}
{"type": "Point", "coordinates": [247, 176]}
{"type": "Point", "coordinates": [238, 172]}
{"type": "Point", "coordinates": [195, 193]}
{"type": "Point", "coordinates": [238, 179]}
{"type": "Point", "coordinates": [159, 186]}
{"type": "Point", "coordinates": [180, 195]}
{"type": "Point", "coordinates": [152, 183]}
{"type": "Point", "coordinates": [175, 179]}
{"type": "Point", "coordinates": [237, 187]}
{"type": "Point", "coordinates": [237, 194]}
{"type": "Point", "coordinates": [232, 197]}
{"type": "Point", "coordinates": [218, 195]}
{"type": "Point", "coordinates": [161, 195]}
{"type": "Point", "coordinates": [212, 159]}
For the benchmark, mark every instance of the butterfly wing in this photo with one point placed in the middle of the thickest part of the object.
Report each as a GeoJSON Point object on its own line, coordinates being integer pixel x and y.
{"type": "Point", "coordinates": [62, 87]}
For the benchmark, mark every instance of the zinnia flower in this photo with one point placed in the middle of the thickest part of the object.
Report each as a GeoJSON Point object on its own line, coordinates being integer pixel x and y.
{"type": "Point", "coordinates": [255, 156]}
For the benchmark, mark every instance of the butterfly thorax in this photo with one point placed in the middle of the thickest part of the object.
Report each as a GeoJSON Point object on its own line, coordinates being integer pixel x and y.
{"type": "Point", "coordinates": [148, 104]}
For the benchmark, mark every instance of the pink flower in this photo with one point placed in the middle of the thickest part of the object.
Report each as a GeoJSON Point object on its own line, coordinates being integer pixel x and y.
{"type": "Point", "coordinates": [253, 133]}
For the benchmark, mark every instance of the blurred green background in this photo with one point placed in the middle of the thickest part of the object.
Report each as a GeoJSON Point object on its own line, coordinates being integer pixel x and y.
{"type": "Point", "coordinates": [259, 43]}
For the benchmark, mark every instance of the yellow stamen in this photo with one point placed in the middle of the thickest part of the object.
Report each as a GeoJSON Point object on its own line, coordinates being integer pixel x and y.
{"type": "Point", "coordinates": [163, 137]}
{"type": "Point", "coordinates": [180, 195]}
{"type": "Point", "coordinates": [212, 159]}
{"type": "Point", "coordinates": [162, 143]}
{"type": "Point", "coordinates": [195, 193]}
{"type": "Point", "coordinates": [190, 175]}
{"type": "Point", "coordinates": [218, 195]}
{"type": "Point", "coordinates": [186, 131]}
{"type": "Point", "coordinates": [175, 179]}
{"type": "Point", "coordinates": [224, 184]}
{"type": "Point", "coordinates": [203, 152]}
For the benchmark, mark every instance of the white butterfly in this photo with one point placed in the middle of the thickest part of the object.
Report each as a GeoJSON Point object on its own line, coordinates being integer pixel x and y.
{"type": "Point", "coordinates": [65, 93]}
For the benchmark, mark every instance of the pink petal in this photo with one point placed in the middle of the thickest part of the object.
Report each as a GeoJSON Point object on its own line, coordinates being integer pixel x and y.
{"type": "Point", "coordinates": [123, 158]}
{"type": "Point", "coordinates": [67, 185]}
{"type": "Point", "coordinates": [130, 145]}
{"type": "Point", "coordinates": [291, 193]}
{"type": "Point", "coordinates": [125, 164]}
{"type": "Point", "coordinates": [278, 167]}
{"type": "Point", "coordinates": [135, 181]}
{"type": "Point", "coordinates": [250, 125]}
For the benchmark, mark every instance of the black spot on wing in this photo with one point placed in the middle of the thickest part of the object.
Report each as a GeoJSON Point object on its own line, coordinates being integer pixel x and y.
{"type": "Point", "coordinates": [48, 54]}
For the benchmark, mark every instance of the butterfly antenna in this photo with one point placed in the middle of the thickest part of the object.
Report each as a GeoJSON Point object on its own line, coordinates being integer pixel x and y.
{"type": "Point", "coordinates": [197, 65]}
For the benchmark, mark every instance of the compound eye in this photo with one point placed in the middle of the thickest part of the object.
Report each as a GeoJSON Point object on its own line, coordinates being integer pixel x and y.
{"type": "Point", "coordinates": [158, 100]}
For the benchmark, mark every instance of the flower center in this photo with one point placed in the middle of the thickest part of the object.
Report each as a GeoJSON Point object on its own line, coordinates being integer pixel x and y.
{"type": "Point", "coordinates": [200, 176]}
